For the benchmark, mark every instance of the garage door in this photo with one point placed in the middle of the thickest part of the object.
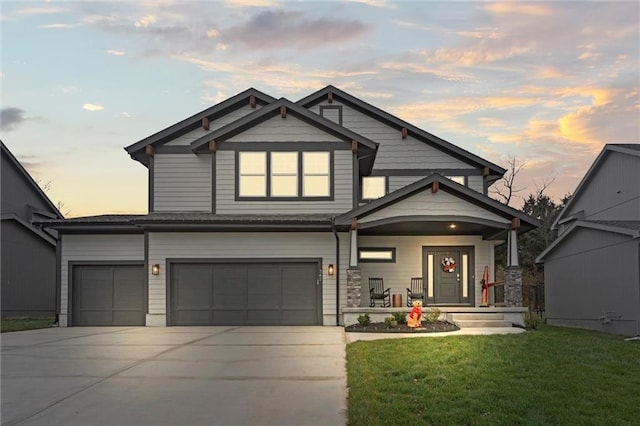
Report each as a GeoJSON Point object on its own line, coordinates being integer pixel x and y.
{"type": "Point", "coordinates": [245, 294]}
{"type": "Point", "coordinates": [108, 295]}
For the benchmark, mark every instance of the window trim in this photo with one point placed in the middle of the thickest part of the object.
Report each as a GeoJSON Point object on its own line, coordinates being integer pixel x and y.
{"type": "Point", "coordinates": [379, 250]}
{"type": "Point", "coordinates": [299, 197]}
{"type": "Point", "coordinates": [361, 199]}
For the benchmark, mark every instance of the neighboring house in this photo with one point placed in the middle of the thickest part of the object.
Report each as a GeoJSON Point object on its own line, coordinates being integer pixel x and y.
{"type": "Point", "coordinates": [592, 270]}
{"type": "Point", "coordinates": [263, 211]}
{"type": "Point", "coordinates": [28, 274]}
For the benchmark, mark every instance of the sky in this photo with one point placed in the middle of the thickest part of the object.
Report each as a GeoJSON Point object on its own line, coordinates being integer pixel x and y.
{"type": "Point", "coordinates": [548, 83]}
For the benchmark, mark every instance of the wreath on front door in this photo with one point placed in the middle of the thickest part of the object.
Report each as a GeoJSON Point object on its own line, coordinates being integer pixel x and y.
{"type": "Point", "coordinates": [448, 264]}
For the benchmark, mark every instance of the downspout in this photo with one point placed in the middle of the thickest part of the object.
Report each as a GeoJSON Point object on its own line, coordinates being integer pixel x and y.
{"type": "Point", "coordinates": [335, 234]}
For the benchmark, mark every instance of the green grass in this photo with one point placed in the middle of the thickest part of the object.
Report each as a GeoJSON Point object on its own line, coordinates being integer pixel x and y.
{"type": "Point", "coordinates": [21, 324]}
{"type": "Point", "coordinates": [553, 376]}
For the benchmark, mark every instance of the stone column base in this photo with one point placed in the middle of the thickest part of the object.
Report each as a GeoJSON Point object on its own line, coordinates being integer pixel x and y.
{"type": "Point", "coordinates": [513, 286]}
{"type": "Point", "coordinates": [354, 287]}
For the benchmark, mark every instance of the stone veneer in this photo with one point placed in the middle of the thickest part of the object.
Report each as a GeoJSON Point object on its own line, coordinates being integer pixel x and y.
{"type": "Point", "coordinates": [354, 287]}
{"type": "Point", "coordinates": [513, 286]}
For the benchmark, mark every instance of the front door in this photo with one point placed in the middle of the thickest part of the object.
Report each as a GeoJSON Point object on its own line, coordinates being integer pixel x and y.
{"type": "Point", "coordinates": [448, 274]}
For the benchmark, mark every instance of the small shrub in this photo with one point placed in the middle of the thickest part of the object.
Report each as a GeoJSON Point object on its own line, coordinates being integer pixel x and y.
{"type": "Point", "coordinates": [400, 317]}
{"type": "Point", "coordinates": [431, 315]}
{"type": "Point", "coordinates": [390, 322]}
{"type": "Point", "coordinates": [532, 321]}
{"type": "Point", "coordinates": [364, 320]}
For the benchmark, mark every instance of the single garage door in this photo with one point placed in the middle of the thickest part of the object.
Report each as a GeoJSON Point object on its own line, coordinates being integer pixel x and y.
{"type": "Point", "coordinates": [265, 293]}
{"type": "Point", "coordinates": [108, 295]}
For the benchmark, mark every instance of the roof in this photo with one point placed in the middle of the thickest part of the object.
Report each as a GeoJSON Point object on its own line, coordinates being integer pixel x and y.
{"type": "Point", "coordinates": [38, 232]}
{"type": "Point", "coordinates": [461, 191]}
{"type": "Point", "coordinates": [630, 228]}
{"type": "Point", "coordinates": [272, 110]}
{"type": "Point", "coordinates": [629, 149]}
{"type": "Point", "coordinates": [495, 171]}
{"type": "Point", "coordinates": [136, 223]}
{"type": "Point", "coordinates": [137, 150]}
{"type": "Point", "coordinates": [27, 177]}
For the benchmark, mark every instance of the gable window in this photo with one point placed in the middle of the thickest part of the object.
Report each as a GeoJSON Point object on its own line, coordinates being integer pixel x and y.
{"type": "Point", "coordinates": [457, 179]}
{"type": "Point", "coordinates": [374, 187]}
{"type": "Point", "coordinates": [377, 254]}
{"type": "Point", "coordinates": [333, 113]}
{"type": "Point", "coordinates": [315, 174]}
{"type": "Point", "coordinates": [253, 174]}
{"type": "Point", "coordinates": [284, 174]}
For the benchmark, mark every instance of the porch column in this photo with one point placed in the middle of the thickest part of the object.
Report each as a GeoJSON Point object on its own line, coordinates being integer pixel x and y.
{"type": "Point", "coordinates": [353, 258]}
{"type": "Point", "coordinates": [513, 272]}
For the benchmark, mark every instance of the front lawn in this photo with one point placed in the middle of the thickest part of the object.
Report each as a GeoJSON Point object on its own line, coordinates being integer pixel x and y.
{"type": "Point", "coordinates": [21, 324]}
{"type": "Point", "coordinates": [550, 376]}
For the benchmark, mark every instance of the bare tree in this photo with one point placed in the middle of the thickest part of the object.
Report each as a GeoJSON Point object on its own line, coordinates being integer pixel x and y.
{"type": "Point", "coordinates": [505, 189]}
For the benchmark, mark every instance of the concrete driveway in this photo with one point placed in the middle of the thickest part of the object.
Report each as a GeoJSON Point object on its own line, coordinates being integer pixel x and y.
{"type": "Point", "coordinates": [174, 376]}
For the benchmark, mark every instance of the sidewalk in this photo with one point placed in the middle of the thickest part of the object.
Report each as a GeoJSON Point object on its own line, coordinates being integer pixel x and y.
{"type": "Point", "coordinates": [474, 331]}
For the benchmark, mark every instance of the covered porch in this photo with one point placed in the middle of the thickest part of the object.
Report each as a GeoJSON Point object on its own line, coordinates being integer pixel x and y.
{"type": "Point", "coordinates": [440, 236]}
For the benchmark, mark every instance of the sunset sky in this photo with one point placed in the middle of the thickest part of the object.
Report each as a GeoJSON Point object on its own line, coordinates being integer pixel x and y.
{"type": "Point", "coordinates": [548, 82]}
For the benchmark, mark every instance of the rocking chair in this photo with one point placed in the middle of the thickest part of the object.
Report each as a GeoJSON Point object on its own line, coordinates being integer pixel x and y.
{"type": "Point", "coordinates": [416, 292]}
{"type": "Point", "coordinates": [378, 292]}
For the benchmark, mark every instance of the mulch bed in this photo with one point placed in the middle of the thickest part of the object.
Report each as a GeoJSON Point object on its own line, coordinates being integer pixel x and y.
{"type": "Point", "coordinates": [380, 327]}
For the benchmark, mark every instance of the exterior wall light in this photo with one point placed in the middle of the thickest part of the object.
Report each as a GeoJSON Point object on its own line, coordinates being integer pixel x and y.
{"type": "Point", "coordinates": [453, 226]}
{"type": "Point", "coordinates": [331, 269]}
{"type": "Point", "coordinates": [155, 269]}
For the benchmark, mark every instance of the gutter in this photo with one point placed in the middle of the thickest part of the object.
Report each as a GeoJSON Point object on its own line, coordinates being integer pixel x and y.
{"type": "Point", "coordinates": [335, 234]}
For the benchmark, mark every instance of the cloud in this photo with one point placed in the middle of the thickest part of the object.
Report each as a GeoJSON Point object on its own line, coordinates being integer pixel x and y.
{"type": "Point", "coordinates": [10, 118]}
{"type": "Point", "coordinates": [250, 3]}
{"type": "Point", "coordinates": [145, 21]}
{"type": "Point", "coordinates": [375, 3]}
{"type": "Point", "coordinates": [68, 90]}
{"type": "Point", "coordinates": [115, 52]}
{"type": "Point", "coordinates": [57, 26]}
{"type": "Point", "coordinates": [213, 33]}
{"type": "Point", "coordinates": [280, 29]}
{"type": "Point", "coordinates": [92, 107]}
{"type": "Point", "coordinates": [39, 10]}
{"type": "Point", "coordinates": [519, 8]}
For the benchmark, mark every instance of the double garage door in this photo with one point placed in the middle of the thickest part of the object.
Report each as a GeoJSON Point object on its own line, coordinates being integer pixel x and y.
{"type": "Point", "coordinates": [239, 293]}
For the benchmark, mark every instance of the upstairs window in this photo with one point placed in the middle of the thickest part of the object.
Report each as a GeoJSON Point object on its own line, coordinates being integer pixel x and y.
{"type": "Point", "coordinates": [253, 174]}
{"type": "Point", "coordinates": [373, 187]}
{"type": "Point", "coordinates": [333, 113]}
{"type": "Point", "coordinates": [284, 175]}
{"type": "Point", "coordinates": [315, 177]}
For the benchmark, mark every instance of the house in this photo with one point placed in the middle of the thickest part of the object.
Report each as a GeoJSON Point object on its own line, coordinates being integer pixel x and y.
{"type": "Point", "coordinates": [266, 211]}
{"type": "Point", "coordinates": [28, 253]}
{"type": "Point", "coordinates": [592, 270]}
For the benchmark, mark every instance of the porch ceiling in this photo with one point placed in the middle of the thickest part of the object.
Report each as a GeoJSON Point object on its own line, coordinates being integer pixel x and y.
{"type": "Point", "coordinates": [430, 227]}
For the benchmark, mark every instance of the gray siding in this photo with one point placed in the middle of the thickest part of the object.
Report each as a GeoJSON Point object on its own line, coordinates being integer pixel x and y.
{"type": "Point", "coordinates": [95, 248]}
{"type": "Point", "coordinates": [613, 192]}
{"type": "Point", "coordinates": [225, 190]}
{"type": "Point", "coordinates": [395, 152]}
{"type": "Point", "coordinates": [28, 277]}
{"type": "Point", "coordinates": [214, 125]}
{"type": "Point", "coordinates": [397, 182]}
{"type": "Point", "coordinates": [592, 272]}
{"type": "Point", "coordinates": [408, 263]}
{"type": "Point", "coordinates": [17, 192]}
{"type": "Point", "coordinates": [476, 183]}
{"type": "Point", "coordinates": [248, 246]}
{"type": "Point", "coordinates": [428, 204]}
{"type": "Point", "coordinates": [280, 129]}
{"type": "Point", "coordinates": [182, 182]}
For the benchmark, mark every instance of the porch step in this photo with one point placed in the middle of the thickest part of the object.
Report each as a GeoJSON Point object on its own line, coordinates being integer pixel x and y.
{"type": "Point", "coordinates": [469, 320]}
{"type": "Point", "coordinates": [481, 323]}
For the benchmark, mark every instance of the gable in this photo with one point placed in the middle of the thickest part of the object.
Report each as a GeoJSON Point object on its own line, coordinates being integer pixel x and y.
{"type": "Point", "coordinates": [394, 152]}
{"type": "Point", "coordinates": [214, 125]}
{"type": "Point", "coordinates": [289, 129]}
{"type": "Point", "coordinates": [439, 204]}
{"type": "Point", "coordinates": [609, 189]}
